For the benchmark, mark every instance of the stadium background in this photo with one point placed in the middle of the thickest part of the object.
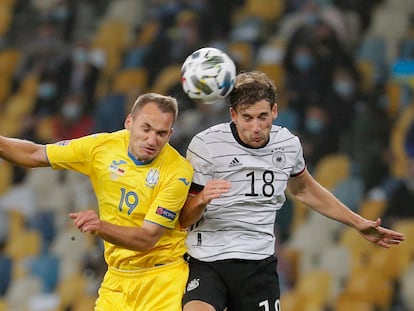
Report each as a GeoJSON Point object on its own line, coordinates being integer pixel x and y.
{"type": "Point", "coordinates": [345, 77]}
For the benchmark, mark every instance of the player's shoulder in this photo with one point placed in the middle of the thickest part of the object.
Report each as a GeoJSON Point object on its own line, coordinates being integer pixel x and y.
{"type": "Point", "coordinates": [174, 158]}
{"type": "Point", "coordinates": [216, 131]}
{"type": "Point", "coordinates": [280, 133]}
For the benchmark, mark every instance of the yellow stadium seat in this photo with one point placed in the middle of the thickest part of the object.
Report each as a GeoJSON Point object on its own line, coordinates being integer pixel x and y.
{"type": "Point", "coordinates": [291, 301]}
{"type": "Point", "coordinates": [6, 18]}
{"type": "Point", "coordinates": [128, 79]}
{"type": "Point", "coordinates": [394, 95]}
{"type": "Point", "coordinates": [19, 106]}
{"type": "Point", "coordinates": [167, 78]}
{"type": "Point", "coordinates": [242, 54]}
{"type": "Point", "coordinates": [9, 61]}
{"type": "Point", "coordinates": [366, 69]}
{"type": "Point", "coordinates": [372, 209]}
{"type": "Point", "coordinates": [391, 263]}
{"type": "Point", "coordinates": [367, 285]}
{"type": "Point", "coordinates": [350, 305]}
{"type": "Point", "coordinates": [6, 176]}
{"type": "Point", "coordinates": [360, 248]}
{"type": "Point", "coordinates": [268, 10]}
{"type": "Point", "coordinates": [28, 243]}
{"type": "Point", "coordinates": [85, 303]}
{"type": "Point", "coordinates": [406, 226]}
{"type": "Point", "coordinates": [3, 304]}
{"type": "Point", "coordinates": [71, 288]}
{"type": "Point", "coordinates": [5, 88]}
{"type": "Point", "coordinates": [315, 285]}
{"type": "Point", "coordinates": [332, 169]}
{"type": "Point", "coordinates": [275, 71]}
{"type": "Point", "coordinates": [17, 222]}
{"type": "Point", "coordinates": [29, 85]}
{"type": "Point", "coordinates": [112, 34]}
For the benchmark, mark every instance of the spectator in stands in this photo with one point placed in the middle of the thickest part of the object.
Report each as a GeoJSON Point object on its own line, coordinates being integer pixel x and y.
{"type": "Point", "coordinates": [400, 199]}
{"type": "Point", "coordinates": [319, 135]}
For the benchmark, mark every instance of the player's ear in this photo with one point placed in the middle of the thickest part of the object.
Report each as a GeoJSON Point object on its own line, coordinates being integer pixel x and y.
{"type": "Point", "coordinates": [233, 114]}
{"type": "Point", "coordinates": [274, 111]}
{"type": "Point", "coordinates": [128, 122]}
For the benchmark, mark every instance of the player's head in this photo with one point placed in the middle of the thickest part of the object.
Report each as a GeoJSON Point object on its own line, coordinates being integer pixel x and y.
{"type": "Point", "coordinates": [151, 123]}
{"type": "Point", "coordinates": [253, 107]}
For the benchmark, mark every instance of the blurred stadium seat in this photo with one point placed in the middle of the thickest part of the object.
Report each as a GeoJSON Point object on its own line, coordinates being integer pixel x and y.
{"type": "Point", "coordinates": [27, 244]}
{"type": "Point", "coordinates": [70, 289]}
{"type": "Point", "coordinates": [46, 268]}
{"type": "Point", "coordinates": [6, 266]}
{"type": "Point", "coordinates": [128, 79]}
{"type": "Point", "coordinates": [350, 305]}
{"type": "Point", "coordinates": [6, 176]}
{"type": "Point", "coordinates": [332, 169]}
{"type": "Point", "coordinates": [372, 209]}
{"type": "Point", "coordinates": [242, 53]}
{"type": "Point", "coordinates": [167, 78]}
{"type": "Point", "coordinates": [9, 60]}
{"type": "Point", "coordinates": [367, 285]}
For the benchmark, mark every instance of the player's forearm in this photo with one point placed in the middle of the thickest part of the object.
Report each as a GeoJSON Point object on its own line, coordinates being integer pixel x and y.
{"type": "Point", "coordinates": [311, 193]}
{"type": "Point", "coordinates": [325, 203]}
{"type": "Point", "coordinates": [22, 152]}
{"type": "Point", "coordinates": [133, 238]}
{"type": "Point", "coordinates": [192, 211]}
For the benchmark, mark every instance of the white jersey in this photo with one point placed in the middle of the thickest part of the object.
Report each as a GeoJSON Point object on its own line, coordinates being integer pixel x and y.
{"type": "Point", "coordinates": [240, 224]}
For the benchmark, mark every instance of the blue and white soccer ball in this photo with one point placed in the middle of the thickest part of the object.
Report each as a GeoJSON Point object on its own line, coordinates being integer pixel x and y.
{"type": "Point", "coordinates": [208, 75]}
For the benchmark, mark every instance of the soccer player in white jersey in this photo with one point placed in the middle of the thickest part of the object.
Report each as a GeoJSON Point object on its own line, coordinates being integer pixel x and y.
{"type": "Point", "coordinates": [241, 171]}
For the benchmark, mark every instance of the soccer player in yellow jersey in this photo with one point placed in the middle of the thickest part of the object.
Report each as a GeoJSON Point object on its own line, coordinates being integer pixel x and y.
{"type": "Point", "coordinates": [141, 184]}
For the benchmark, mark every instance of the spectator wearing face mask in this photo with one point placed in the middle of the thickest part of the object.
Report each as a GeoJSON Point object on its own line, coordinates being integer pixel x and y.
{"type": "Point", "coordinates": [79, 74]}
{"type": "Point", "coordinates": [71, 121]}
{"type": "Point", "coordinates": [47, 96]}
{"type": "Point", "coordinates": [401, 197]}
{"type": "Point", "coordinates": [304, 80]}
{"type": "Point", "coordinates": [319, 136]}
{"type": "Point", "coordinates": [342, 99]}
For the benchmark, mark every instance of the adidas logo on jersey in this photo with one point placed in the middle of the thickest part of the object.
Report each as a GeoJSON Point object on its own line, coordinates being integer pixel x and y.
{"type": "Point", "coordinates": [235, 162]}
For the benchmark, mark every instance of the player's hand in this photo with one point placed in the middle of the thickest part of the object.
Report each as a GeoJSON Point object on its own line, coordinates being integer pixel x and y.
{"type": "Point", "coordinates": [373, 232]}
{"type": "Point", "coordinates": [86, 221]}
{"type": "Point", "coordinates": [213, 189]}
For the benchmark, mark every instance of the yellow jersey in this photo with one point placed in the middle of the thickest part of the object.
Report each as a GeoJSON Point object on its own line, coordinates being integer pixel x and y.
{"type": "Point", "coordinates": [130, 192]}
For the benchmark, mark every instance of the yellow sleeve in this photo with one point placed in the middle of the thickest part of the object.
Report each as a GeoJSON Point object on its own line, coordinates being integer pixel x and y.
{"type": "Point", "coordinates": [75, 154]}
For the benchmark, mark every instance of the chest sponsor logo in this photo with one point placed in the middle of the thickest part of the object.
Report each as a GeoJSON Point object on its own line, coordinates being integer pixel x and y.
{"type": "Point", "coordinates": [152, 178]}
{"type": "Point", "coordinates": [166, 213]}
{"type": "Point", "coordinates": [116, 169]}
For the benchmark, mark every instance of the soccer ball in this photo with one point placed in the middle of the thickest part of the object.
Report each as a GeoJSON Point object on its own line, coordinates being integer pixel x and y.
{"type": "Point", "coordinates": [208, 75]}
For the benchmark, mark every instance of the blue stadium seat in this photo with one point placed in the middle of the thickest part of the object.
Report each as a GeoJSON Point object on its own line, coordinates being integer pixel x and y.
{"type": "Point", "coordinates": [46, 268]}
{"type": "Point", "coordinates": [5, 273]}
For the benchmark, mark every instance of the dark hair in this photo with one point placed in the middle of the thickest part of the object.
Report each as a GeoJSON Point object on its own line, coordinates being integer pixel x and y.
{"type": "Point", "coordinates": [251, 87]}
{"type": "Point", "coordinates": [166, 104]}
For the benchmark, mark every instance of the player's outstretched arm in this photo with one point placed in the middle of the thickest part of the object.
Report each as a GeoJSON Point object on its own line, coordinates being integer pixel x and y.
{"type": "Point", "coordinates": [307, 190]}
{"type": "Point", "coordinates": [23, 152]}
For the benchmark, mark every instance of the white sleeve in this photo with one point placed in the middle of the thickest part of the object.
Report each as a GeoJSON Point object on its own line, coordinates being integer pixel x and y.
{"type": "Point", "coordinates": [200, 158]}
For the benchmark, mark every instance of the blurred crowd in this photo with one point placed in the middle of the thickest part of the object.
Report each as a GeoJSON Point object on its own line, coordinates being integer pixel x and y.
{"type": "Point", "coordinates": [344, 70]}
